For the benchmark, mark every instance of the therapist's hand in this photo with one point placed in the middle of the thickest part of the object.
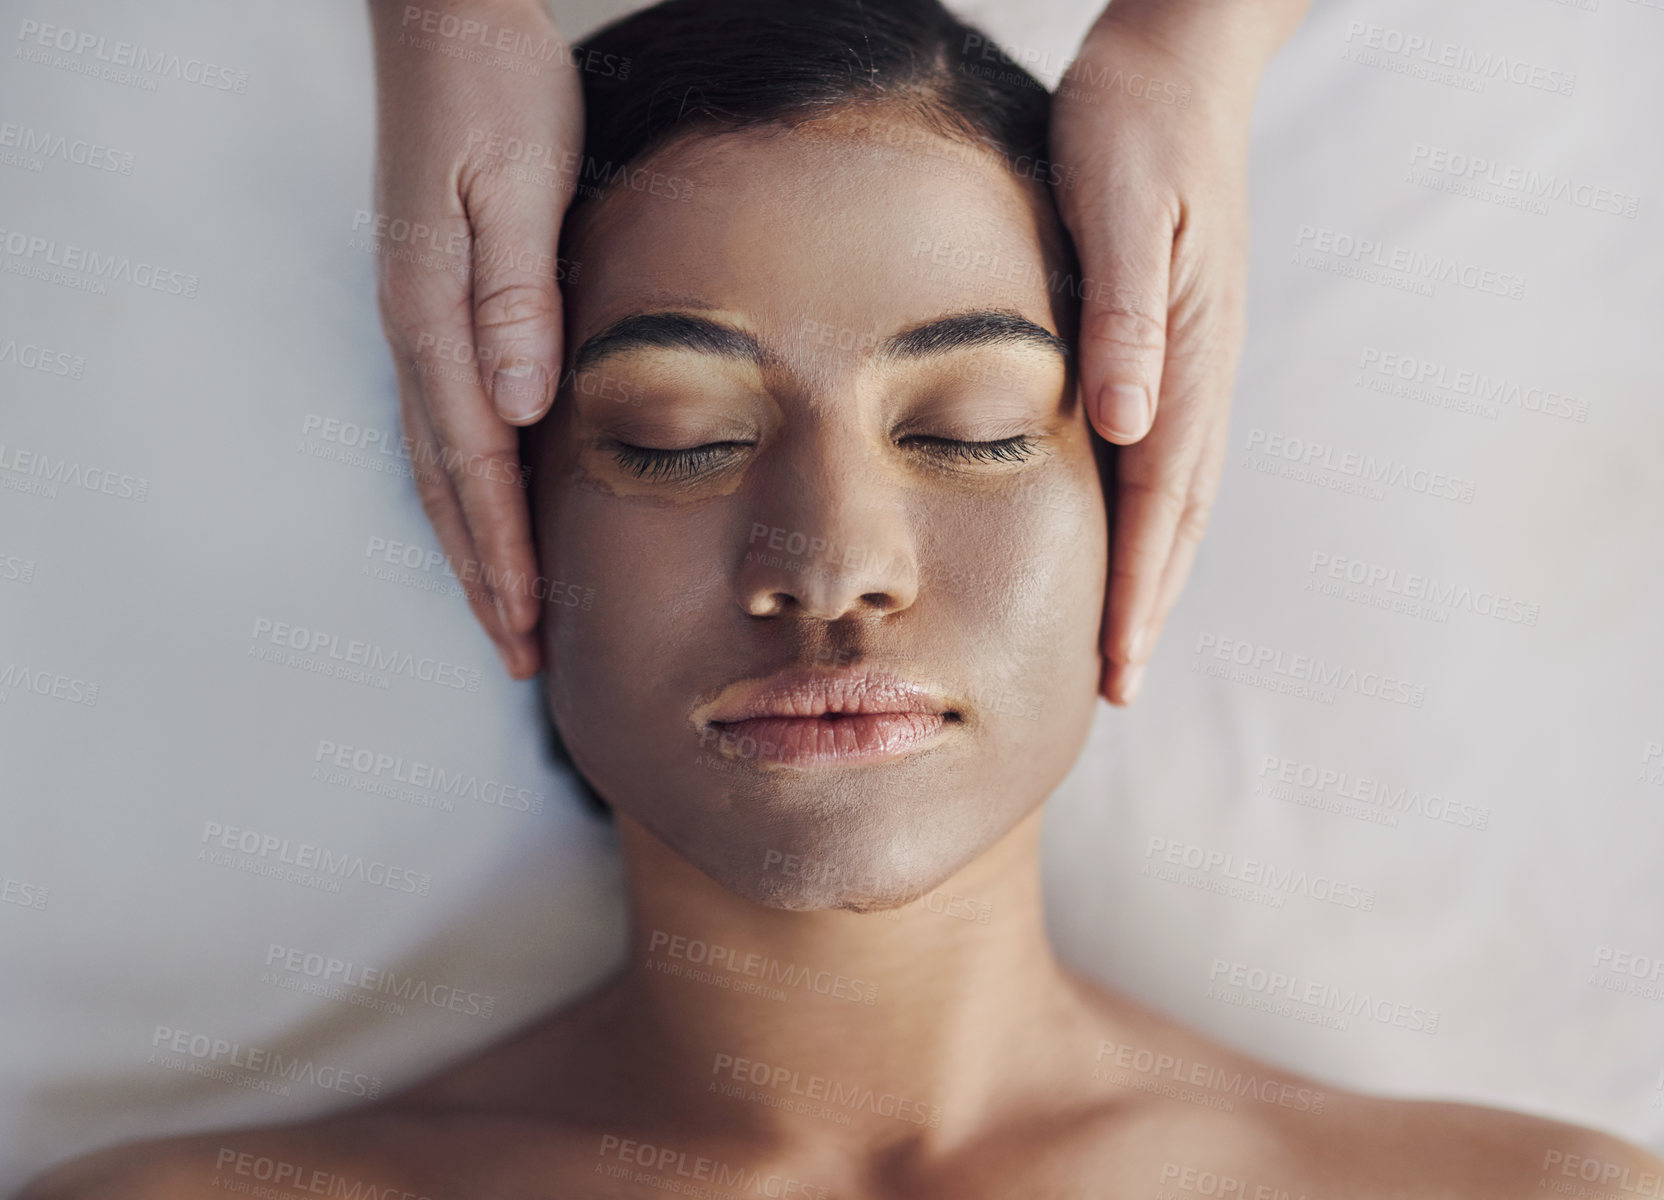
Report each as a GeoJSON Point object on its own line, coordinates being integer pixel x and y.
{"type": "Point", "coordinates": [1150, 125]}
{"type": "Point", "coordinates": [479, 129]}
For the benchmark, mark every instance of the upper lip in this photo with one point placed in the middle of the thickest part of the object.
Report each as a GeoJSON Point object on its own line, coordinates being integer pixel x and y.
{"type": "Point", "coordinates": [801, 692]}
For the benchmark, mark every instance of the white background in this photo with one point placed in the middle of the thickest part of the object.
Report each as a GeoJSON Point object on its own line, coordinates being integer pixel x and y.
{"type": "Point", "coordinates": [214, 402]}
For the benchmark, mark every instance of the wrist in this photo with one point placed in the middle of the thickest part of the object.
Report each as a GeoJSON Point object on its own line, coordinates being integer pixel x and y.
{"type": "Point", "coordinates": [1217, 41]}
{"type": "Point", "coordinates": [425, 16]}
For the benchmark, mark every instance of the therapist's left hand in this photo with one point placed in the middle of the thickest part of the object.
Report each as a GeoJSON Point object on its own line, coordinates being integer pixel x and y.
{"type": "Point", "coordinates": [1150, 124]}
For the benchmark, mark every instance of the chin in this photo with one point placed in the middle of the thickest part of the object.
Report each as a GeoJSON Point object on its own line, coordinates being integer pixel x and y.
{"type": "Point", "coordinates": [882, 853]}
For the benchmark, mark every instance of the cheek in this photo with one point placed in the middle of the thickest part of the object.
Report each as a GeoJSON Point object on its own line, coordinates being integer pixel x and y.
{"type": "Point", "coordinates": [1013, 591]}
{"type": "Point", "coordinates": [657, 575]}
{"type": "Point", "coordinates": [1023, 579]}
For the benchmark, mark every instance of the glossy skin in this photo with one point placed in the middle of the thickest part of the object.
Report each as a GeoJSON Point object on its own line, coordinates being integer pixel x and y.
{"type": "Point", "coordinates": [976, 571]}
{"type": "Point", "coordinates": [937, 1054]}
{"type": "Point", "coordinates": [1157, 209]}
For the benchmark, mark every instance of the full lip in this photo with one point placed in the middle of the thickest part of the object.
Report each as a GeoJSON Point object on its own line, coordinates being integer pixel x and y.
{"type": "Point", "coordinates": [802, 717]}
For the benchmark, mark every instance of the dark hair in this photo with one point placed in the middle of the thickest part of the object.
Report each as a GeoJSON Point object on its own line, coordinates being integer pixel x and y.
{"type": "Point", "coordinates": [738, 64]}
{"type": "Point", "coordinates": [687, 65]}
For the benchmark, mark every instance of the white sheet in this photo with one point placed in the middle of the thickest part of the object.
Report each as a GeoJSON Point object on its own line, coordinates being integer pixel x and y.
{"type": "Point", "coordinates": [112, 929]}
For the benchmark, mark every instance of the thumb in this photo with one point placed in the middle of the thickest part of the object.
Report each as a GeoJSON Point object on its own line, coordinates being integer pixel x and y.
{"type": "Point", "coordinates": [516, 299]}
{"type": "Point", "coordinates": [1125, 244]}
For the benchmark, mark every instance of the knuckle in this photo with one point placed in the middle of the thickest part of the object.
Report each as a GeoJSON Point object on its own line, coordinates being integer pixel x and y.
{"type": "Point", "coordinates": [514, 307]}
{"type": "Point", "coordinates": [1165, 495]}
{"type": "Point", "coordinates": [433, 489]}
{"type": "Point", "coordinates": [1193, 522]}
{"type": "Point", "coordinates": [1124, 332]}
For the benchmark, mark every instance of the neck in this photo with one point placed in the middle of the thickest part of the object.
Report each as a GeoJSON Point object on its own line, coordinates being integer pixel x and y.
{"type": "Point", "coordinates": [918, 1018]}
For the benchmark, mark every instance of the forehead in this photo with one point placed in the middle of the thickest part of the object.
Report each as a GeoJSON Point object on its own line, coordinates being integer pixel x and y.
{"type": "Point", "coordinates": [833, 233]}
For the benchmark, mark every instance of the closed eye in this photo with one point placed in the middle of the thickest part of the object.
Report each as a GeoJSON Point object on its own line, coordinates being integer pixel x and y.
{"type": "Point", "coordinates": [659, 465]}
{"type": "Point", "coordinates": [1011, 449]}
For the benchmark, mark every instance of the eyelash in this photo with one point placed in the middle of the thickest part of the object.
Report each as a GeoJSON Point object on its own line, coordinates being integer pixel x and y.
{"type": "Point", "coordinates": [657, 465]}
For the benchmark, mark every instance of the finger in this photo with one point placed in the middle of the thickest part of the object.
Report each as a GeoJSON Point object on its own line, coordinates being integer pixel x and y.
{"type": "Point", "coordinates": [1125, 244]}
{"type": "Point", "coordinates": [1152, 492]}
{"type": "Point", "coordinates": [518, 650]}
{"type": "Point", "coordinates": [1122, 682]}
{"type": "Point", "coordinates": [474, 447]}
{"type": "Point", "coordinates": [424, 302]}
{"type": "Point", "coordinates": [516, 296]}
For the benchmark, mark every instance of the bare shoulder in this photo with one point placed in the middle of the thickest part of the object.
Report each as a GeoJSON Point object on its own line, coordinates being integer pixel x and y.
{"type": "Point", "coordinates": [1381, 1148]}
{"type": "Point", "coordinates": [1474, 1150]}
{"type": "Point", "coordinates": [338, 1156]}
{"type": "Point", "coordinates": [1197, 1114]}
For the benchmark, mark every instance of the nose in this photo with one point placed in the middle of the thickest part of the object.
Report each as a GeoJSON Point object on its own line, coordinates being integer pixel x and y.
{"type": "Point", "coordinates": [829, 535]}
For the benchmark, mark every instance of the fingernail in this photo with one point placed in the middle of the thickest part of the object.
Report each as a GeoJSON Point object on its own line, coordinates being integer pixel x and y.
{"type": "Point", "coordinates": [1124, 409]}
{"type": "Point", "coordinates": [1135, 644]}
{"type": "Point", "coordinates": [508, 657]}
{"type": "Point", "coordinates": [501, 606]}
{"type": "Point", "coordinates": [518, 611]}
{"type": "Point", "coordinates": [1131, 680]}
{"type": "Point", "coordinates": [519, 392]}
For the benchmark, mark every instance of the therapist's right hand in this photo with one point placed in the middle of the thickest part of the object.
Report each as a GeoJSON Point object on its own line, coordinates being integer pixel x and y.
{"type": "Point", "coordinates": [479, 133]}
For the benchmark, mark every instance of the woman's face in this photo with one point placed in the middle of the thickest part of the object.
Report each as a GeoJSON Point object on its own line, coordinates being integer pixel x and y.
{"type": "Point", "coordinates": [823, 465]}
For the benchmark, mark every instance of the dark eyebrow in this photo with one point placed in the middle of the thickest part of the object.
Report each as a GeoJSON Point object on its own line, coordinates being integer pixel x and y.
{"type": "Point", "coordinates": [684, 331]}
{"type": "Point", "coordinates": [987, 327]}
{"type": "Point", "coordinates": [672, 331]}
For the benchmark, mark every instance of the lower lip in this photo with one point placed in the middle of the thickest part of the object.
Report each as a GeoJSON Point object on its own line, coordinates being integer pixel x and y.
{"type": "Point", "coordinates": [819, 741]}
